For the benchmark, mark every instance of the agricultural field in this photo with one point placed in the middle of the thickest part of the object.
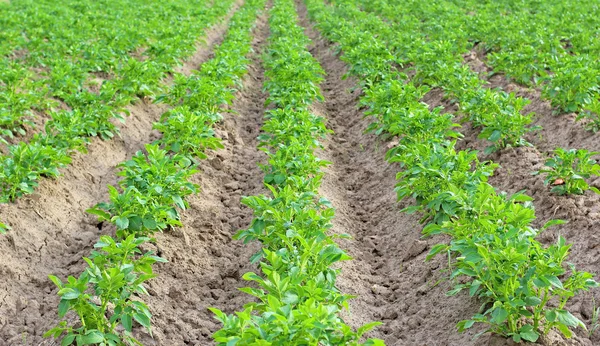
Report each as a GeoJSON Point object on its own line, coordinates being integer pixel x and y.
{"type": "Point", "coordinates": [299, 172]}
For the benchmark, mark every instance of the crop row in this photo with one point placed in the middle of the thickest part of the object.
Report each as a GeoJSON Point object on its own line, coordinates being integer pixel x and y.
{"type": "Point", "coordinates": [436, 64]}
{"type": "Point", "coordinates": [66, 72]}
{"type": "Point", "coordinates": [150, 196]}
{"type": "Point", "coordinates": [51, 50]}
{"type": "Point", "coordinates": [524, 286]}
{"type": "Point", "coordinates": [498, 112]}
{"type": "Point", "coordinates": [542, 44]}
{"type": "Point", "coordinates": [296, 300]}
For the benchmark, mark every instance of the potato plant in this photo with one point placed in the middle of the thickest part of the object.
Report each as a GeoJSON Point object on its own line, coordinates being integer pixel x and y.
{"type": "Point", "coordinates": [295, 300]}
{"type": "Point", "coordinates": [105, 298]}
{"type": "Point", "coordinates": [591, 116]}
{"type": "Point", "coordinates": [537, 44]}
{"type": "Point", "coordinates": [99, 41]}
{"type": "Point", "coordinates": [115, 274]}
{"type": "Point", "coordinates": [524, 286]}
{"type": "Point", "coordinates": [568, 170]}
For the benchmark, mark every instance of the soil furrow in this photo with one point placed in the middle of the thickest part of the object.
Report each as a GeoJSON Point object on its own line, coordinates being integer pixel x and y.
{"type": "Point", "coordinates": [515, 174]}
{"type": "Point", "coordinates": [393, 283]}
{"type": "Point", "coordinates": [206, 265]}
{"type": "Point", "coordinates": [51, 230]}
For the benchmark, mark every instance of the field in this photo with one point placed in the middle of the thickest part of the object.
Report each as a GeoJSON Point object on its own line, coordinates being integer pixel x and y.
{"type": "Point", "coordinates": [299, 172]}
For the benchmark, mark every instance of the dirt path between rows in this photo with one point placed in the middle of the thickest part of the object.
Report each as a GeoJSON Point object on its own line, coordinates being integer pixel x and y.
{"type": "Point", "coordinates": [393, 283]}
{"type": "Point", "coordinates": [51, 231]}
{"type": "Point", "coordinates": [515, 174]}
{"type": "Point", "coordinates": [206, 265]}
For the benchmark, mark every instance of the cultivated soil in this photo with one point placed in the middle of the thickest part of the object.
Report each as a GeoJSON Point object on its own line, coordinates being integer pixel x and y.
{"type": "Point", "coordinates": [51, 231]}
{"type": "Point", "coordinates": [393, 283]}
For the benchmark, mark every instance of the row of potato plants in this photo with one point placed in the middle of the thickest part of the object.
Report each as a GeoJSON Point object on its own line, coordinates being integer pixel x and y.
{"type": "Point", "coordinates": [102, 39]}
{"type": "Point", "coordinates": [542, 44]}
{"type": "Point", "coordinates": [498, 112]}
{"type": "Point", "coordinates": [50, 49]}
{"type": "Point", "coordinates": [435, 63]}
{"type": "Point", "coordinates": [296, 301]}
{"type": "Point", "coordinates": [524, 286]}
{"type": "Point", "coordinates": [149, 198]}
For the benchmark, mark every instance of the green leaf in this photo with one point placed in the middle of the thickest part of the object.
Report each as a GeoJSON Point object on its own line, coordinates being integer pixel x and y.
{"type": "Point", "coordinates": [149, 222]}
{"type": "Point", "coordinates": [474, 287]}
{"type": "Point", "coordinates": [568, 319]}
{"type": "Point", "coordinates": [367, 327]}
{"type": "Point", "coordinates": [127, 322]}
{"type": "Point", "coordinates": [142, 319]}
{"type": "Point", "coordinates": [496, 134]}
{"type": "Point", "coordinates": [63, 307]}
{"type": "Point", "coordinates": [102, 215]}
{"type": "Point", "coordinates": [532, 301]}
{"type": "Point", "coordinates": [55, 280]}
{"type": "Point", "coordinates": [68, 293]}
{"type": "Point", "coordinates": [551, 315]}
{"type": "Point", "coordinates": [499, 315]}
{"type": "Point", "coordinates": [554, 281]}
{"type": "Point", "coordinates": [553, 223]}
{"type": "Point", "coordinates": [122, 222]}
{"type": "Point", "coordinates": [93, 337]}
{"type": "Point", "coordinates": [67, 340]}
{"type": "Point", "coordinates": [528, 333]}
{"type": "Point", "coordinates": [565, 330]}
{"type": "Point", "coordinates": [279, 179]}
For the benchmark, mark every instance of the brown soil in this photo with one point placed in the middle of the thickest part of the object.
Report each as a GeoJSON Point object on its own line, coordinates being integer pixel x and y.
{"type": "Point", "coordinates": [389, 275]}
{"type": "Point", "coordinates": [205, 265]}
{"type": "Point", "coordinates": [393, 283]}
{"type": "Point", "coordinates": [51, 231]}
{"type": "Point", "coordinates": [213, 37]}
{"type": "Point", "coordinates": [515, 174]}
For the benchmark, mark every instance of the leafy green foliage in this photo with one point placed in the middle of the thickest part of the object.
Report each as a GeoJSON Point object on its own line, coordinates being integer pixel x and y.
{"type": "Point", "coordinates": [187, 131]}
{"type": "Point", "coordinates": [22, 169]}
{"type": "Point", "coordinates": [591, 116]}
{"type": "Point", "coordinates": [431, 170]}
{"type": "Point", "coordinates": [493, 253]}
{"type": "Point", "coordinates": [66, 46]}
{"type": "Point", "coordinates": [296, 301]}
{"type": "Point", "coordinates": [101, 295]}
{"type": "Point", "coordinates": [152, 191]}
{"type": "Point", "coordinates": [568, 170]}
{"type": "Point", "coordinates": [538, 44]}
{"type": "Point", "coordinates": [154, 186]}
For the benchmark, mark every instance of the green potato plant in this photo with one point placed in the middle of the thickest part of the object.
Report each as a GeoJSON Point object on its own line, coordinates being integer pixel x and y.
{"type": "Point", "coordinates": [537, 44]}
{"type": "Point", "coordinates": [131, 47]}
{"type": "Point", "coordinates": [568, 170]}
{"type": "Point", "coordinates": [101, 296]}
{"type": "Point", "coordinates": [153, 188]}
{"type": "Point", "coordinates": [508, 269]}
{"type": "Point", "coordinates": [493, 254]}
{"type": "Point", "coordinates": [591, 115]}
{"type": "Point", "coordinates": [296, 302]}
